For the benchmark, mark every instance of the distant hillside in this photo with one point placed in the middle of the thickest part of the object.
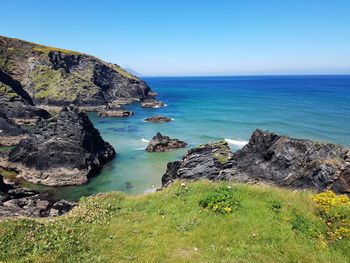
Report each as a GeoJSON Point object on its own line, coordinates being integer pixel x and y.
{"type": "Point", "coordinates": [133, 72]}
{"type": "Point", "coordinates": [53, 76]}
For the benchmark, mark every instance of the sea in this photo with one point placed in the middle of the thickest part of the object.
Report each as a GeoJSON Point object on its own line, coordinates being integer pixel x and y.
{"type": "Point", "coordinates": [207, 109]}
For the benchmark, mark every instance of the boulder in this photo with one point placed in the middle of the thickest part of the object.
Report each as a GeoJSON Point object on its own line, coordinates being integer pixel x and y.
{"type": "Point", "coordinates": [16, 201]}
{"type": "Point", "coordinates": [160, 143]}
{"type": "Point", "coordinates": [158, 118]}
{"type": "Point", "coordinates": [65, 150]}
{"type": "Point", "coordinates": [152, 103]}
{"type": "Point", "coordinates": [269, 158]}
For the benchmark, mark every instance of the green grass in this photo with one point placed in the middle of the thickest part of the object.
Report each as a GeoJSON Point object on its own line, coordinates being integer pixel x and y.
{"type": "Point", "coordinates": [56, 85]}
{"type": "Point", "coordinates": [269, 225]}
{"type": "Point", "coordinates": [8, 174]}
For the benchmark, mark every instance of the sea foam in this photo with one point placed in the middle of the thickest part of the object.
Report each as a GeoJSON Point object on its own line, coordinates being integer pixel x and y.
{"type": "Point", "coordinates": [144, 140]}
{"type": "Point", "coordinates": [236, 143]}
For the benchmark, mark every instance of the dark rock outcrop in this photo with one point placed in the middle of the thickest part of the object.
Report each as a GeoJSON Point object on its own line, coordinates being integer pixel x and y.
{"type": "Point", "coordinates": [152, 103]}
{"type": "Point", "coordinates": [65, 150]}
{"type": "Point", "coordinates": [55, 77]}
{"type": "Point", "coordinates": [158, 118]}
{"type": "Point", "coordinates": [160, 143]}
{"type": "Point", "coordinates": [10, 132]}
{"type": "Point", "coordinates": [23, 113]}
{"type": "Point", "coordinates": [16, 201]}
{"type": "Point", "coordinates": [119, 113]}
{"type": "Point", "coordinates": [269, 158]}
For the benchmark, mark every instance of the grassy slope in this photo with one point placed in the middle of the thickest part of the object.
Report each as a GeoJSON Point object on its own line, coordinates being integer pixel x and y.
{"type": "Point", "coordinates": [271, 225]}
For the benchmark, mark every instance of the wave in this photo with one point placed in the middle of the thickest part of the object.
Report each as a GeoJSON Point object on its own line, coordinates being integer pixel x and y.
{"type": "Point", "coordinates": [236, 143]}
{"type": "Point", "coordinates": [140, 149]}
{"type": "Point", "coordinates": [144, 140]}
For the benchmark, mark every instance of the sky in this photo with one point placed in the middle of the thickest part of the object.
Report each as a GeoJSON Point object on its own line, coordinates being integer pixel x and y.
{"type": "Point", "coordinates": [193, 37]}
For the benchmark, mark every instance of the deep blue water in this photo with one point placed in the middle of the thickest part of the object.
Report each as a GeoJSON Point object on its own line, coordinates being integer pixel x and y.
{"type": "Point", "coordinates": [212, 108]}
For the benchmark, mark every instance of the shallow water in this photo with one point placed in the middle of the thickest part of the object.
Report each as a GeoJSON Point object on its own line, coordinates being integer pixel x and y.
{"type": "Point", "coordinates": [206, 109]}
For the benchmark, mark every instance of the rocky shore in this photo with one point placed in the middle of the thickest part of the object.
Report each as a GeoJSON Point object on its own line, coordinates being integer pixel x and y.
{"type": "Point", "coordinates": [16, 201]}
{"type": "Point", "coordinates": [160, 143]}
{"type": "Point", "coordinates": [65, 150]}
{"type": "Point", "coordinates": [268, 158]}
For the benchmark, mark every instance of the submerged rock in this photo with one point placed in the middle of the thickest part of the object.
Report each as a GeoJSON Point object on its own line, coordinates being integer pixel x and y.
{"type": "Point", "coordinates": [152, 103]}
{"type": "Point", "coordinates": [269, 158]}
{"type": "Point", "coordinates": [16, 201]}
{"type": "Point", "coordinates": [119, 113]}
{"type": "Point", "coordinates": [65, 150]}
{"type": "Point", "coordinates": [160, 143]}
{"type": "Point", "coordinates": [158, 118]}
{"type": "Point", "coordinates": [10, 133]}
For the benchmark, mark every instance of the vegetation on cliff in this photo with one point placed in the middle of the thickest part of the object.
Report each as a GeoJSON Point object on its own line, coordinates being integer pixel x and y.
{"type": "Point", "coordinates": [54, 76]}
{"type": "Point", "coordinates": [183, 223]}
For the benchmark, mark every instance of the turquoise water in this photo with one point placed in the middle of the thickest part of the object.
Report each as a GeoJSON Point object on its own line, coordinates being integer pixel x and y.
{"type": "Point", "coordinates": [211, 108]}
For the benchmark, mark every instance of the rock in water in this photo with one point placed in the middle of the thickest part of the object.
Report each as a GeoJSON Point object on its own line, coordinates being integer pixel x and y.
{"type": "Point", "coordinates": [152, 103]}
{"type": "Point", "coordinates": [269, 158]}
{"type": "Point", "coordinates": [10, 132]}
{"type": "Point", "coordinates": [158, 118]}
{"type": "Point", "coordinates": [20, 202]}
{"type": "Point", "coordinates": [63, 151]}
{"type": "Point", "coordinates": [119, 113]}
{"type": "Point", "coordinates": [160, 143]}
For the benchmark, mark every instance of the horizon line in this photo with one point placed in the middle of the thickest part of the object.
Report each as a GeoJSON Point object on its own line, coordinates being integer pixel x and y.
{"type": "Point", "coordinates": [248, 75]}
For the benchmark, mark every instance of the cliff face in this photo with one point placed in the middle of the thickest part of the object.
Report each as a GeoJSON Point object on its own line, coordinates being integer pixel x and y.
{"type": "Point", "coordinates": [270, 158]}
{"type": "Point", "coordinates": [43, 75]}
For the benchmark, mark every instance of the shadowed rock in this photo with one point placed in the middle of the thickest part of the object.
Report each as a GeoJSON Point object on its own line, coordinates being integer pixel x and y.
{"type": "Point", "coordinates": [65, 150]}
{"type": "Point", "coordinates": [22, 113]}
{"type": "Point", "coordinates": [268, 158]}
{"type": "Point", "coordinates": [10, 132]}
{"type": "Point", "coordinates": [160, 143]}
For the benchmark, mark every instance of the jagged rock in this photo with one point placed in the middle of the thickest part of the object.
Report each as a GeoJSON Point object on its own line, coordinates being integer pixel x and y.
{"type": "Point", "coordinates": [16, 201]}
{"type": "Point", "coordinates": [120, 112]}
{"type": "Point", "coordinates": [152, 103]}
{"type": "Point", "coordinates": [158, 118]}
{"type": "Point", "coordinates": [57, 77]}
{"type": "Point", "coordinates": [10, 132]}
{"type": "Point", "coordinates": [160, 143]}
{"type": "Point", "coordinates": [269, 158]}
{"type": "Point", "coordinates": [22, 113]}
{"type": "Point", "coordinates": [65, 150]}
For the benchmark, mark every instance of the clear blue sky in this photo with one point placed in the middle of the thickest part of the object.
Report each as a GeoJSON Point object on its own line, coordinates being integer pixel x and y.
{"type": "Point", "coordinates": [192, 37]}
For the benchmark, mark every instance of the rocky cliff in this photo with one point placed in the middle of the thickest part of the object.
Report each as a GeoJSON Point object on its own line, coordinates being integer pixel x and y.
{"type": "Point", "coordinates": [268, 158]}
{"type": "Point", "coordinates": [64, 150]}
{"type": "Point", "coordinates": [10, 132]}
{"type": "Point", "coordinates": [44, 75]}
